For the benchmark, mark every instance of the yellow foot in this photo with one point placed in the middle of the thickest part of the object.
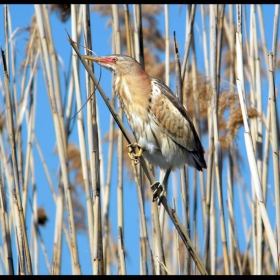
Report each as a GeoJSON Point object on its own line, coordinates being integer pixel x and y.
{"type": "Point", "coordinates": [158, 190]}
{"type": "Point", "coordinates": [135, 156]}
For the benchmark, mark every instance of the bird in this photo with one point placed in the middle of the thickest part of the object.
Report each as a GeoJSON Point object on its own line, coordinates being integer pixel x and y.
{"type": "Point", "coordinates": [161, 125]}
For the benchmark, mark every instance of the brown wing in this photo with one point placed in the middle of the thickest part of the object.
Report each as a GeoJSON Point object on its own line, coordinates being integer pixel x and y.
{"type": "Point", "coordinates": [173, 120]}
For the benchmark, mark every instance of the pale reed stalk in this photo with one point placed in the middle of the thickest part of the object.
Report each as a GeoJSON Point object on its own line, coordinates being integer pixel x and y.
{"type": "Point", "coordinates": [129, 44]}
{"type": "Point", "coordinates": [91, 110]}
{"type": "Point", "coordinates": [256, 130]}
{"type": "Point", "coordinates": [117, 39]}
{"type": "Point", "coordinates": [144, 240]}
{"type": "Point", "coordinates": [275, 150]}
{"type": "Point", "coordinates": [213, 230]}
{"type": "Point", "coordinates": [34, 219]}
{"type": "Point", "coordinates": [188, 41]}
{"type": "Point", "coordinates": [265, 156]}
{"type": "Point", "coordinates": [234, 240]}
{"type": "Point", "coordinates": [138, 35]}
{"type": "Point", "coordinates": [229, 32]}
{"type": "Point", "coordinates": [207, 255]}
{"type": "Point", "coordinates": [107, 188]}
{"type": "Point", "coordinates": [217, 152]}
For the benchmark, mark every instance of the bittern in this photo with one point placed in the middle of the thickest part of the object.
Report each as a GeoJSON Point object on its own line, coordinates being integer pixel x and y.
{"type": "Point", "coordinates": [162, 127]}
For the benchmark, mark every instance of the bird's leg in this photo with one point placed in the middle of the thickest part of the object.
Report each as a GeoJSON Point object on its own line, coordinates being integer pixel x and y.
{"type": "Point", "coordinates": [159, 188]}
{"type": "Point", "coordinates": [135, 156]}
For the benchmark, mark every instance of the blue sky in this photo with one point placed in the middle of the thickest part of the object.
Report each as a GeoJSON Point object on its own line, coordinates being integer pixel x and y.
{"type": "Point", "coordinates": [21, 18]}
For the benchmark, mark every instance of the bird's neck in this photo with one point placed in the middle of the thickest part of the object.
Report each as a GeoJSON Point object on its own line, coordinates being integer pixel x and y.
{"type": "Point", "coordinates": [134, 90]}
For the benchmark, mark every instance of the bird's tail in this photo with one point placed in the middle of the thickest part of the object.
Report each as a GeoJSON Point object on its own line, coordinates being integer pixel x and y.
{"type": "Point", "coordinates": [199, 160]}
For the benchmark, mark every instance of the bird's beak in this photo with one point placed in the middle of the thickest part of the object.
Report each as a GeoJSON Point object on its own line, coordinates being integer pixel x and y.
{"type": "Point", "coordinates": [99, 59]}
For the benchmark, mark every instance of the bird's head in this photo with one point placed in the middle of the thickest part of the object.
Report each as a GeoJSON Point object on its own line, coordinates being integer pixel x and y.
{"type": "Point", "coordinates": [120, 64]}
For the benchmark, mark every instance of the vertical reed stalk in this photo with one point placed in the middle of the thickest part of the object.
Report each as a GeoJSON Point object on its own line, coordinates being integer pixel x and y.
{"type": "Point", "coordinates": [275, 150]}
{"type": "Point", "coordinates": [213, 230]}
{"type": "Point", "coordinates": [218, 154]}
{"type": "Point", "coordinates": [188, 41]}
{"type": "Point", "coordinates": [57, 246]}
{"type": "Point", "coordinates": [167, 46]}
{"type": "Point", "coordinates": [210, 165]}
{"type": "Point", "coordinates": [117, 39]}
{"type": "Point", "coordinates": [145, 245]}
{"type": "Point", "coordinates": [91, 110]}
{"type": "Point", "coordinates": [128, 31]}
{"type": "Point", "coordinates": [275, 33]}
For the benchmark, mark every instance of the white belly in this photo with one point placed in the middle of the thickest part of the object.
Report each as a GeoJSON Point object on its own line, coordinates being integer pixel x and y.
{"type": "Point", "coordinates": [159, 149]}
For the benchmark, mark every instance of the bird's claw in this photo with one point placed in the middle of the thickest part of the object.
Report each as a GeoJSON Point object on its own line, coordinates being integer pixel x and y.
{"type": "Point", "coordinates": [135, 156]}
{"type": "Point", "coordinates": [158, 191]}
